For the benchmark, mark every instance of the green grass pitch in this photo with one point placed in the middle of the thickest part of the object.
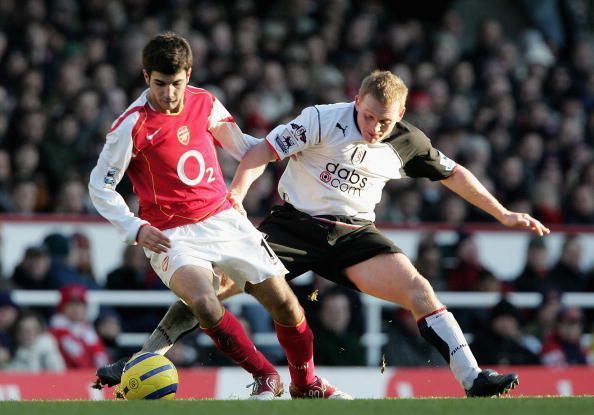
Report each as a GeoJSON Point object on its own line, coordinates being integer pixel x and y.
{"type": "Point", "coordinates": [504, 406]}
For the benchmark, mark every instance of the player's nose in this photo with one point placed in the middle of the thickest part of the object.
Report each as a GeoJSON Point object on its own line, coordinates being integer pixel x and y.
{"type": "Point", "coordinates": [169, 92]}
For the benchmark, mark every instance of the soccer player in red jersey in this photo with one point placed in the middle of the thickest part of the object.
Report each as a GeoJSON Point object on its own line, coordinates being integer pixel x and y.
{"type": "Point", "coordinates": [165, 141]}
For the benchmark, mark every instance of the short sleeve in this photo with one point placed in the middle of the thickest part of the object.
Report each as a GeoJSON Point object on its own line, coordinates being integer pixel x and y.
{"type": "Point", "coordinates": [419, 157]}
{"type": "Point", "coordinates": [296, 135]}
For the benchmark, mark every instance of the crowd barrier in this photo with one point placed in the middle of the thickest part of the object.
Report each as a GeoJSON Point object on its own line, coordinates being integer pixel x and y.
{"type": "Point", "coordinates": [373, 339]}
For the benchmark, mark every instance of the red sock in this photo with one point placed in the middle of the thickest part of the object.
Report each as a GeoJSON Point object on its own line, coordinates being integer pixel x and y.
{"type": "Point", "coordinates": [231, 339]}
{"type": "Point", "coordinates": [298, 344]}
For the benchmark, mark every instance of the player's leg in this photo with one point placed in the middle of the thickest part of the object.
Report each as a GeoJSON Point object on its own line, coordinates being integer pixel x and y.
{"type": "Point", "coordinates": [178, 321]}
{"type": "Point", "coordinates": [295, 337]}
{"type": "Point", "coordinates": [194, 286]}
{"type": "Point", "coordinates": [393, 277]}
{"type": "Point", "coordinates": [253, 265]}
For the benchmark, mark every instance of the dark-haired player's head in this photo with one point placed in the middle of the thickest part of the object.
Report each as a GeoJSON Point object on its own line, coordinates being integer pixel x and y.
{"type": "Point", "coordinates": [167, 65]}
{"type": "Point", "coordinates": [380, 105]}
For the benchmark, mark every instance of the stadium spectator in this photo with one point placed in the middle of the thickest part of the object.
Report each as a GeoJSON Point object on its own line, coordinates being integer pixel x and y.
{"type": "Point", "coordinates": [468, 271]}
{"type": "Point", "coordinates": [546, 314]}
{"type": "Point", "coordinates": [108, 328]}
{"type": "Point", "coordinates": [35, 349]}
{"type": "Point", "coordinates": [5, 177]}
{"type": "Point", "coordinates": [502, 341]}
{"type": "Point", "coordinates": [135, 274]}
{"type": "Point", "coordinates": [567, 274]}
{"type": "Point", "coordinates": [535, 275]}
{"type": "Point", "coordinates": [25, 197]}
{"type": "Point", "coordinates": [563, 346]}
{"type": "Point", "coordinates": [71, 198]}
{"type": "Point", "coordinates": [9, 312]}
{"type": "Point", "coordinates": [406, 347]}
{"type": "Point", "coordinates": [61, 272]}
{"type": "Point", "coordinates": [132, 274]}
{"type": "Point", "coordinates": [337, 345]}
{"type": "Point", "coordinates": [80, 257]}
{"type": "Point", "coordinates": [77, 339]}
{"type": "Point", "coordinates": [312, 287]}
{"type": "Point", "coordinates": [32, 272]}
{"type": "Point", "coordinates": [429, 262]}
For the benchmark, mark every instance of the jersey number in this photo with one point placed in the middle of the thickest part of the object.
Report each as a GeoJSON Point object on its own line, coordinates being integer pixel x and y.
{"type": "Point", "coordinates": [181, 171]}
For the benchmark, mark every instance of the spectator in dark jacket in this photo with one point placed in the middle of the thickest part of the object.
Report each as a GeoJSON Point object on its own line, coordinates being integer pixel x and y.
{"type": "Point", "coordinates": [502, 342]}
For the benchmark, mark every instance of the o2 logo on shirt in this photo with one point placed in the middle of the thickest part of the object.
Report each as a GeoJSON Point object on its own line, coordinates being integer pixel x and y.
{"type": "Point", "coordinates": [202, 169]}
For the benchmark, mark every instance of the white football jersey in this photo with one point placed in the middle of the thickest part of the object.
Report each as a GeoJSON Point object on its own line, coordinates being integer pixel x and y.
{"type": "Point", "coordinates": [337, 172]}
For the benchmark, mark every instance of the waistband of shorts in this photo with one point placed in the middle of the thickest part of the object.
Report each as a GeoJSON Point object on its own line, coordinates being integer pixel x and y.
{"type": "Point", "coordinates": [337, 219]}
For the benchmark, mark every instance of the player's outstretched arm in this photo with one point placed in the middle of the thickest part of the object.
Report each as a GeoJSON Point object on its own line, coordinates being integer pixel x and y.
{"type": "Point", "coordinates": [465, 184]}
{"type": "Point", "coordinates": [251, 167]}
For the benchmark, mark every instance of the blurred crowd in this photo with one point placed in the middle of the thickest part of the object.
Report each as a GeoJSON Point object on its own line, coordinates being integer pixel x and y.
{"type": "Point", "coordinates": [516, 108]}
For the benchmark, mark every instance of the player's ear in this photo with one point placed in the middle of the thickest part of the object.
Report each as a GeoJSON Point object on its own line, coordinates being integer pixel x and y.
{"type": "Point", "coordinates": [188, 74]}
{"type": "Point", "coordinates": [402, 111]}
{"type": "Point", "coordinates": [357, 102]}
{"type": "Point", "coordinates": [147, 77]}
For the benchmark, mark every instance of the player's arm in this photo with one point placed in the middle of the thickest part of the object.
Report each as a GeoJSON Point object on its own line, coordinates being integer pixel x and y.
{"type": "Point", "coordinates": [286, 140]}
{"type": "Point", "coordinates": [421, 159]}
{"type": "Point", "coordinates": [227, 133]}
{"type": "Point", "coordinates": [109, 171]}
{"type": "Point", "coordinates": [465, 184]}
{"type": "Point", "coordinates": [250, 168]}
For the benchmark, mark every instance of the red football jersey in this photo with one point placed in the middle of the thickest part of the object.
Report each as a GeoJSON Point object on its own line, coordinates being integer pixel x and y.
{"type": "Point", "coordinates": [171, 161]}
{"type": "Point", "coordinates": [174, 168]}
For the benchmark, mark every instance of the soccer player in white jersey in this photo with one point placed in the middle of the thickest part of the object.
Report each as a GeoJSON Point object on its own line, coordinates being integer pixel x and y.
{"type": "Point", "coordinates": [165, 141]}
{"type": "Point", "coordinates": [341, 157]}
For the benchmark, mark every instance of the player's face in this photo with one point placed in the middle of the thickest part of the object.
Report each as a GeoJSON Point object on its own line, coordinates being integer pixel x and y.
{"type": "Point", "coordinates": [166, 92]}
{"type": "Point", "coordinates": [376, 120]}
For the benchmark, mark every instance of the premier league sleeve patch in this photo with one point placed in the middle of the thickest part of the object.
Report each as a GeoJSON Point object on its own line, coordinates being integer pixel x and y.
{"type": "Point", "coordinates": [111, 177]}
{"type": "Point", "coordinates": [285, 141]}
{"type": "Point", "coordinates": [290, 138]}
{"type": "Point", "coordinates": [447, 163]}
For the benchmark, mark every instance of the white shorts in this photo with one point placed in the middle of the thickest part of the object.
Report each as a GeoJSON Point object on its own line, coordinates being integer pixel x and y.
{"type": "Point", "coordinates": [227, 242]}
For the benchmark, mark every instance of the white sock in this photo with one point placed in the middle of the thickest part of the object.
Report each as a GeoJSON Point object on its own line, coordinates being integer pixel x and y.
{"type": "Point", "coordinates": [177, 321]}
{"type": "Point", "coordinates": [442, 331]}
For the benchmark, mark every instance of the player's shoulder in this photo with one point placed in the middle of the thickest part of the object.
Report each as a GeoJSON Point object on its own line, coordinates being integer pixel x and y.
{"type": "Point", "coordinates": [329, 114]}
{"type": "Point", "coordinates": [335, 110]}
{"type": "Point", "coordinates": [408, 140]}
{"type": "Point", "coordinates": [406, 133]}
{"type": "Point", "coordinates": [129, 118]}
{"type": "Point", "coordinates": [199, 93]}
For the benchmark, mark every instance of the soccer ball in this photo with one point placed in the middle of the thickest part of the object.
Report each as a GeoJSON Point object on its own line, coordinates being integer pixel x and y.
{"type": "Point", "coordinates": [149, 376]}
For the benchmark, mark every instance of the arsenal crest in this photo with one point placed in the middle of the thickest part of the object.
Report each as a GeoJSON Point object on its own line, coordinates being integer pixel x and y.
{"type": "Point", "coordinates": [183, 135]}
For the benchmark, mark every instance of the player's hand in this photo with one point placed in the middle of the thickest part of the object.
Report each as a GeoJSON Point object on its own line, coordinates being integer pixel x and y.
{"type": "Point", "coordinates": [153, 239]}
{"type": "Point", "coordinates": [524, 221]}
{"type": "Point", "coordinates": [236, 201]}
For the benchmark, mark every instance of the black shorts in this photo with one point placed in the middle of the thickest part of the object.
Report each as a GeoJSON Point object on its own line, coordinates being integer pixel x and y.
{"type": "Point", "coordinates": [325, 244]}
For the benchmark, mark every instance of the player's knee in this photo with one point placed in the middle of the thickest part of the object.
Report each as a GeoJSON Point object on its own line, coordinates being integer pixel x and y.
{"type": "Point", "coordinates": [421, 294]}
{"type": "Point", "coordinates": [287, 311]}
{"type": "Point", "coordinates": [206, 308]}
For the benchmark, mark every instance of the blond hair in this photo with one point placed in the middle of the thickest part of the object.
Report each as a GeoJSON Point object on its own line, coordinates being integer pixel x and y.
{"type": "Point", "coordinates": [384, 86]}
